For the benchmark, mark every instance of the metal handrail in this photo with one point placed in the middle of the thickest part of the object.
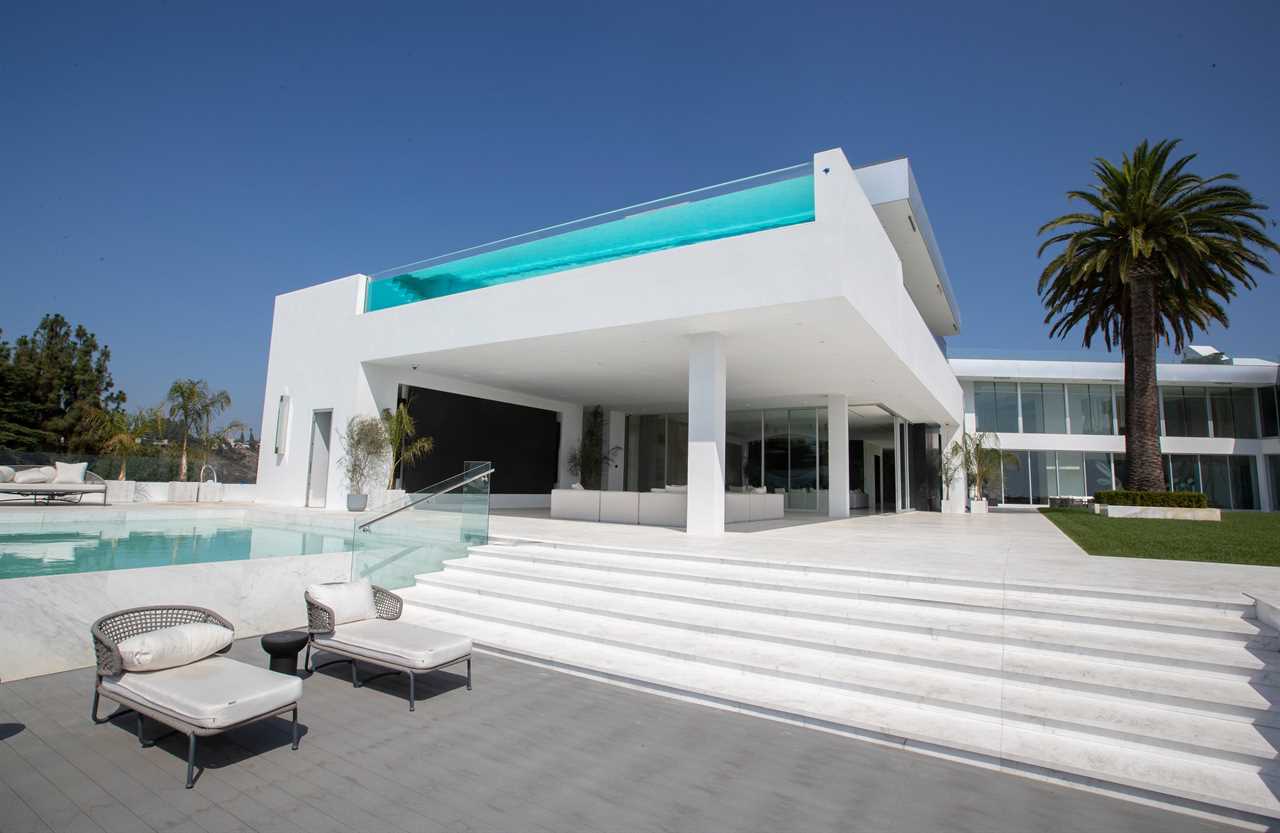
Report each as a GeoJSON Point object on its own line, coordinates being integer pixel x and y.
{"type": "Point", "coordinates": [467, 477]}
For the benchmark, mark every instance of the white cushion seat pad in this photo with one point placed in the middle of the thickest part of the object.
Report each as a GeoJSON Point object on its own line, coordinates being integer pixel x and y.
{"type": "Point", "coordinates": [213, 693]}
{"type": "Point", "coordinates": [53, 487]}
{"type": "Point", "coordinates": [396, 643]}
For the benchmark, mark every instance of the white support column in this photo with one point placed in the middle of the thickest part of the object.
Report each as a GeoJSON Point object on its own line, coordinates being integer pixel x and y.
{"type": "Point", "coordinates": [617, 439]}
{"type": "Point", "coordinates": [707, 377]}
{"type": "Point", "coordinates": [570, 438]}
{"type": "Point", "coordinates": [838, 456]}
{"type": "Point", "coordinates": [898, 465]}
{"type": "Point", "coordinates": [954, 493]}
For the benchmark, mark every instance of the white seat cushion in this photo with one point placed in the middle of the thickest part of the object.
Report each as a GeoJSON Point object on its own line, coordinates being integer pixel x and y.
{"type": "Point", "coordinates": [69, 472]}
{"type": "Point", "coordinates": [32, 476]}
{"type": "Point", "coordinates": [213, 693]}
{"type": "Point", "coordinates": [397, 643]}
{"type": "Point", "coordinates": [53, 488]}
{"type": "Point", "coordinates": [173, 646]}
{"type": "Point", "coordinates": [6, 474]}
{"type": "Point", "coordinates": [350, 601]}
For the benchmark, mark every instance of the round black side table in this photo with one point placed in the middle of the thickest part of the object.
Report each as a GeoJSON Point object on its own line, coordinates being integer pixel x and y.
{"type": "Point", "coordinates": [283, 648]}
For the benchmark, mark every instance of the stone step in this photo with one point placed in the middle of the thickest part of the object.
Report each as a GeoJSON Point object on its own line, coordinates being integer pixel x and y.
{"type": "Point", "coordinates": [1226, 657]}
{"type": "Point", "coordinates": [1232, 697]}
{"type": "Point", "coordinates": [1129, 769]}
{"type": "Point", "coordinates": [1211, 622]}
{"type": "Point", "coordinates": [1047, 708]}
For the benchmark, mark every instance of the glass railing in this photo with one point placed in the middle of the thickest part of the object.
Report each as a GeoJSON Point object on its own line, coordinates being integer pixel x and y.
{"type": "Point", "coordinates": [419, 532]}
{"type": "Point", "coordinates": [765, 201]}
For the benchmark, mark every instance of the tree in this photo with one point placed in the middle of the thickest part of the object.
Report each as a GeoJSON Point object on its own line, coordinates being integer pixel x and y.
{"type": "Point", "coordinates": [979, 456]}
{"type": "Point", "coordinates": [124, 433]}
{"type": "Point", "coordinates": [52, 384]}
{"type": "Point", "coordinates": [364, 447]}
{"type": "Point", "coordinates": [399, 430]}
{"type": "Point", "coordinates": [1157, 254]}
{"type": "Point", "coordinates": [214, 404]}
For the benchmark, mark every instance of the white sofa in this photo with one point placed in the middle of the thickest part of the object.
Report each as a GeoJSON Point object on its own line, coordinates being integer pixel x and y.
{"type": "Point", "coordinates": [41, 482]}
{"type": "Point", "coordinates": [657, 507]}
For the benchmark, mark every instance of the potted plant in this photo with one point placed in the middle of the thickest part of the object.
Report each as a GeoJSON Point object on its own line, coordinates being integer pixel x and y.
{"type": "Point", "coordinates": [981, 458]}
{"type": "Point", "coordinates": [403, 444]}
{"type": "Point", "coordinates": [952, 463]}
{"type": "Point", "coordinates": [364, 448]}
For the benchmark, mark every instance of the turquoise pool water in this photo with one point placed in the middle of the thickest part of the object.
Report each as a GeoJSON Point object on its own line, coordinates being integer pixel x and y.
{"type": "Point", "coordinates": [56, 548]}
{"type": "Point", "coordinates": [752, 209]}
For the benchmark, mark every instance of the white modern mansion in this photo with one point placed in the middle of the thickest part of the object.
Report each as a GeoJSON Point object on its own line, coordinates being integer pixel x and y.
{"type": "Point", "coordinates": [772, 344]}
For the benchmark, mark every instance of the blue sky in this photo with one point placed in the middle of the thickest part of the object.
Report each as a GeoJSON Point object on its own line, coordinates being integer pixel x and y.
{"type": "Point", "coordinates": [167, 169]}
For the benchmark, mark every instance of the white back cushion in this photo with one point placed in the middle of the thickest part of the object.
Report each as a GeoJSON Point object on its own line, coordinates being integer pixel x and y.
{"type": "Point", "coordinates": [350, 601]}
{"type": "Point", "coordinates": [31, 476]}
{"type": "Point", "coordinates": [6, 474]}
{"type": "Point", "coordinates": [174, 646]}
{"type": "Point", "coordinates": [69, 472]}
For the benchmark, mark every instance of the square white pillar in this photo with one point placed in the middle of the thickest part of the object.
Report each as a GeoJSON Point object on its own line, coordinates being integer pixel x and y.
{"type": "Point", "coordinates": [838, 456]}
{"type": "Point", "coordinates": [707, 379]}
{"type": "Point", "coordinates": [570, 438]}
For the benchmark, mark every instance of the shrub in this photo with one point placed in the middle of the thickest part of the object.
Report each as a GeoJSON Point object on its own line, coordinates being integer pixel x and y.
{"type": "Point", "coordinates": [1173, 500]}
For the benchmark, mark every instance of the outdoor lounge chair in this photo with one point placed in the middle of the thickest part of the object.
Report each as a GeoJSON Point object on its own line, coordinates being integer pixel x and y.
{"type": "Point", "coordinates": [360, 621]}
{"type": "Point", "coordinates": [205, 696]}
{"type": "Point", "coordinates": [45, 487]}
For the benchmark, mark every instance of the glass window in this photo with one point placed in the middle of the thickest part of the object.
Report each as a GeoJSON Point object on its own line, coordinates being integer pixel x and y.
{"type": "Point", "coordinates": [1055, 409]}
{"type": "Point", "coordinates": [1044, 476]}
{"type": "Point", "coordinates": [1078, 409]}
{"type": "Point", "coordinates": [742, 445]}
{"type": "Point", "coordinates": [1120, 420]}
{"type": "Point", "coordinates": [1016, 485]}
{"type": "Point", "coordinates": [646, 452]}
{"type": "Point", "coordinates": [1100, 409]}
{"type": "Point", "coordinates": [984, 405]}
{"type": "Point", "coordinates": [1244, 482]}
{"type": "Point", "coordinates": [1184, 473]}
{"type": "Point", "coordinates": [677, 450]}
{"type": "Point", "coordinates": [1122, 470]}
{"type": "Point", "coordinates": [802, 481]}
{"type": "Point", "coordinates": [1220, 406]}
{"type": "Point", "coordinates": [993, 489]}
{"type": "Point", "coordinates": [1007, 407]}
{"type": "Point", "coordinates": [1197, 412]}
{"type": "Point", "coordinates": [1175, 412]}
{"type": "Point", "coordinates": [1270, 419]}
{"type": "Point", "coordinates": [1246, 415]}
{"type": "Point", "coordinates": [1032, 408]}
{"type": "Point", "coordinates": [1273, 467]}
{"type": "Point", "coordinates": [775, 451]}
{"type": "Point", "coordinates": [1216, 480]}
{"type": "Point", "coordinates": [1097, 472]}
{"type": "Point", "coordinates": [1071, 473]}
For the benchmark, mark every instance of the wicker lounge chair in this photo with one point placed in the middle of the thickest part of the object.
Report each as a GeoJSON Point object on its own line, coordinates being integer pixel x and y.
{"type": "Point", "coordinates": [206, 697]}
{"type": "Point", "coordinates": [383, 641]}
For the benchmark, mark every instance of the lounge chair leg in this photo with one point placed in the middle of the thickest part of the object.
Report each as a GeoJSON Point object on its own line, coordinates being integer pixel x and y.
{"type": "Point", "coordinates": [306, 658]}
{"type": "Point", "coordinates": [355, 681]}
{"type": "Point", "coordinates": [141, 742]}
{"type": "Point", "coordinates": [295, 727]}
{"type": "Point", "coordinates": [191, 761]}
{"type": "Point", "coordinates": [100, 720]}
{"type": "Point", "coordinates": [468, 673]}
{"type": "Point", "coordinates": [411, 697]}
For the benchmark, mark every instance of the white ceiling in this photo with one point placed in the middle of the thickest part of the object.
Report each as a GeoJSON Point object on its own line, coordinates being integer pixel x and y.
{"type": "Point", "coordinates": [794, 354]}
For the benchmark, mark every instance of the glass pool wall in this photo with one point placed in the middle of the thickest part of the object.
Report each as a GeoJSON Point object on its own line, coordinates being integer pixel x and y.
{"type": "Point", "coordinates": [757, 203]}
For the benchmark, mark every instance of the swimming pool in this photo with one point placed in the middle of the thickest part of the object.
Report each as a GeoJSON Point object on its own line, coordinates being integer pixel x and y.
{"type": "Point", "coordinates": [44, 549]}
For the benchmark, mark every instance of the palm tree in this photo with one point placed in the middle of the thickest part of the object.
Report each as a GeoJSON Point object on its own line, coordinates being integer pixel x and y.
{"type": "Point", "coordinates": [125, 433]}
{"type": "Point", "coordinates": [1156, 255]}
{"type": "Point", "coordinates": [214, 404]}
{"type": "Point", "coordinates": [186, 400]}
{"type": "Point", "coordinates": [400, 430]}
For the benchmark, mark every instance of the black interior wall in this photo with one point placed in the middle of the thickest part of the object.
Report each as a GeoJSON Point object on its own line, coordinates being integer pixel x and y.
{"type": "Point", "coordinates": [523, 443]}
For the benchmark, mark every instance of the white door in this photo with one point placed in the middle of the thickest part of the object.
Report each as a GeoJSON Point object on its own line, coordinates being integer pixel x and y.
{"type": "Point", "coordinates": [318, 467]}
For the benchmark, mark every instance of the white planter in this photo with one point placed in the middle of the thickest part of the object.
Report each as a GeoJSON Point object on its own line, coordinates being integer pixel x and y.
{"type": "Point", "coordinates": [952, 505]}
{"type": "Point", "coordinates": [121, 491]}
{"type": "Point", "coordinates": [1167, 513]}
{"type": "Point", "coordinates": [180, 492]}
{"type": "Point", "coordinates": [978, 507]}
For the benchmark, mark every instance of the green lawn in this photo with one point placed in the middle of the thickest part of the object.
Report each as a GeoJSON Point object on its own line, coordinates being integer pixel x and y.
{"type": "Point", "coordinates": [1240, 538]}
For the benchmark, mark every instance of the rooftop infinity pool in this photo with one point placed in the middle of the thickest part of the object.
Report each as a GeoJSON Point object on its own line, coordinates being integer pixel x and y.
{"type": "Point", "coordinates": [84, 546]}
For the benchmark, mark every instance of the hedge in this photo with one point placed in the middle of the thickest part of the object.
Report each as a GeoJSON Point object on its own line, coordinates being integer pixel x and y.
{"type": "Point", "coordinates": [1175, 500]}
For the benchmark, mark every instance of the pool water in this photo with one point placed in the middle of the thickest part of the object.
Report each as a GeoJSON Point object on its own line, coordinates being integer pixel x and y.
{"type": "Point", "coordinates": [759, 208]}
{"type": "Point", "coordinates": [60, 548]}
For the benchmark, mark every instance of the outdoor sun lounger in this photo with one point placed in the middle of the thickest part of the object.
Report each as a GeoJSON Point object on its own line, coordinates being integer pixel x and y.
{"type": "Point", "coordinates": [50, 492]}
{"type": "Point", "coordinates": [383, 640]}
{"type": "Point", "coordinates": [206, 697]}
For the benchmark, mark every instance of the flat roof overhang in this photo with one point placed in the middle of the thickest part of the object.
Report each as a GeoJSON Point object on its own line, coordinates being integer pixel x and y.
{"type": "Point", "coordinates": [891, 188]}
{"type": "Point", "coordinates": [792, 354]}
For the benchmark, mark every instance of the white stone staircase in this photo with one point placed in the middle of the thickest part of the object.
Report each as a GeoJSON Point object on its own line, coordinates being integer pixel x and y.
{"type": "Point", "coordinates": [1175, 699]}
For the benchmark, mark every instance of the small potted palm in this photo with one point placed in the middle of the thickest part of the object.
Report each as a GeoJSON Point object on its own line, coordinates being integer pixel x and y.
{"type": "Point", "coordinates": [364, 447]}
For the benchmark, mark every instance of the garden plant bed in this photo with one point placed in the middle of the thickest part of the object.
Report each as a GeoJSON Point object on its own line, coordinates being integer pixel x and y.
{"type": "Point", "coordinates": [1240, 538]}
